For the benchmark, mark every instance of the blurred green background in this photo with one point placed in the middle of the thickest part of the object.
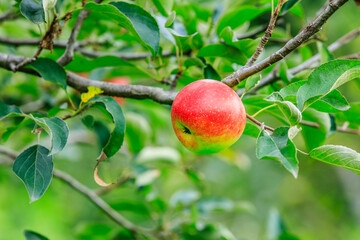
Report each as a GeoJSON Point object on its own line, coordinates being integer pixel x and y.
{"type": "Point", "coordinates": [231, 190]}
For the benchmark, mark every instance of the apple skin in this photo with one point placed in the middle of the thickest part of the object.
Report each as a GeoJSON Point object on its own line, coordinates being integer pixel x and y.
{"type": "Point", "coordinates": [208, 116]}
{"type": "Point", "coordinates": [121, 81]}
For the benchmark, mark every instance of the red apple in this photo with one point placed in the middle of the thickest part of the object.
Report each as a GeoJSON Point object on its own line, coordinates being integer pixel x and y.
{"type": "Point", "coordinates": [122, 81]}
{"type": "Point", "coordinates": [208, 116]}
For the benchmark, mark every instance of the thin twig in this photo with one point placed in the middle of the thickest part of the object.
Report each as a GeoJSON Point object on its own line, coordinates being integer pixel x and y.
{"type": "Point", "coordinates": [312, 28]}
{"type": "Point", "coordinates": [308, 64]}
{"type": "Point", "coordinates": [259, 123]}
{"type": "Point", "coordinates": [79, 47]}
{"type": "Point", "coordinates": [28, 60]}
{"type": "Point", "coordinates": [68, 55]}
{"type": "Point", "coordinates": [266, 36]}
{"type": "Point", "coordinates": [9, 15]}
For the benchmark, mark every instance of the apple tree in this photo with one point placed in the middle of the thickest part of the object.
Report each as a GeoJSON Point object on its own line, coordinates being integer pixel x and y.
{"type": "Point", "coordinates": [86, 98]}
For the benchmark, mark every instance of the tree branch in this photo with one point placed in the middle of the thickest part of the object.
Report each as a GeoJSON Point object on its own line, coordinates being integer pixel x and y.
{"type": "Point", "coordinates": [259, 123]}
{"type": "Point", "coordinates": [273, 76]}
{"type": "Point", "coordinates": [111, 89]}
{"type": "Point", "coordinates": [266, 36]}
{"type": "Point", "coordinates": [157, 94]}
{"type": "Point", "coordinates": [68, 55]}
{"type": "Point", "coordinates": [312, 28]}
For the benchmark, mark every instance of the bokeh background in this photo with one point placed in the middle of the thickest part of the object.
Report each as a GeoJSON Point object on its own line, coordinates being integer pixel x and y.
{"type": "Point", "coordinates": [253, 199]}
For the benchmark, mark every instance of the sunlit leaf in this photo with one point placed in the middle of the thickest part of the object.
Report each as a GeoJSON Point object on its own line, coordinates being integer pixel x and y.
{"type": "Point", "coordinates": [326, 78]}
{"type": "Point", "coordinates": [278, 146]}
{"type": "Point", "coordinates": [134, 18]}
{"type": "Point", "coordinates": [338, 155]}
{"type": "Point", "coordinates": [291, 112]}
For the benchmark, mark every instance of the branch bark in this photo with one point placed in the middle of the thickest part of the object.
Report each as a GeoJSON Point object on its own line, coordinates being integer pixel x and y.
{"type": "Point", "coordinates": [312, 28]}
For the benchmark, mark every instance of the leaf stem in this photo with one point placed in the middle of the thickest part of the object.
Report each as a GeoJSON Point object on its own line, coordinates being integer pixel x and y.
{"type": "Point", "coordinates": [70, 100]}
{"type": "Point", "coordinates": [263, 109]}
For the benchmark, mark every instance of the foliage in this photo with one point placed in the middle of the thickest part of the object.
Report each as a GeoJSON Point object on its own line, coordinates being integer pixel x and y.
{"type": "Point", "coordinates": [159, 189]}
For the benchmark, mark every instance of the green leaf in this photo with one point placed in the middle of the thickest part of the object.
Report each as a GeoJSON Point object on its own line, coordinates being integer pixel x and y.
{"type": "Point", "coordinates": [156, 155]}
{"type": "Point", "coordinates": [338, 155]}
{"type": "Point", "coordinates": [133, 18]}
{"type": "Point", "coordinates": [352, 115]}
{"type": "Point", "coordinates": [210, 73]}
{"type": "Point", "coordinates": [331, 103]}
{"type": "Point", "coordinates": [326, 78]}
{"type": "Point", "coordinates": [278, 146]}
{"type": "Point", "coordinates": [33, 11]}
{"type": "Point", "coordinates": [50, 71]}
{"type": "Point", "coordinates": [252, 81]}
{"type": "Point", "coordinates": [291, 89]}
{"type": "Point", "coordinates": [246, 46]}
{"type": "Point", "coordinates": [314, 137]}
{"type": "Point", "coordinates": [251, 130]}
{"type": "Point", "coordinates": [81, 64]}
{"type": "Point", "coordinates": [138, 132]}
{"type": "Point", "coordinates": [30, 235]}
{"type": "Point", "coordinates": [325, 54]}
{"type": "Point", "coordinates": [117, 135]}
{"type": "Point", "coordinates": [190, 62]}
{"type": "Point", "coordinates": [8, 110]}
{"type": "Point", "coordinates": [283, 72]}
{"type": "Point", "coordinates": [57, 130]}
{"type": "Point", "coordinates": [170, 20]}
{"type": "Point", "coordinates": [34, 167]}
{"type": "Point", "coordinates": [147, 177]}
{"type": "Point", "coordinates": [291, 112]}
{"type": "Point", "coordinates": [238, 17]}
{"type": "Point", "coordinates": [258, 102]}
{"type": "Point", "coordinates": [164, 6]}
{"type": "Point", "coordinates": [184, 197]}
{"type": "Point", "coordinates": [215, 204]}
{"type": "Point", "coordinates": [223, 50]}
{"type": "Point", "coordinates": [288, 5]}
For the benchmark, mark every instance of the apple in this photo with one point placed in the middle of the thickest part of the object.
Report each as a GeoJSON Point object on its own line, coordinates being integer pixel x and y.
{"type": "Point", "coordinates": [122, 81]}
{"type": "Point", "coordinates": [207, 116]}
